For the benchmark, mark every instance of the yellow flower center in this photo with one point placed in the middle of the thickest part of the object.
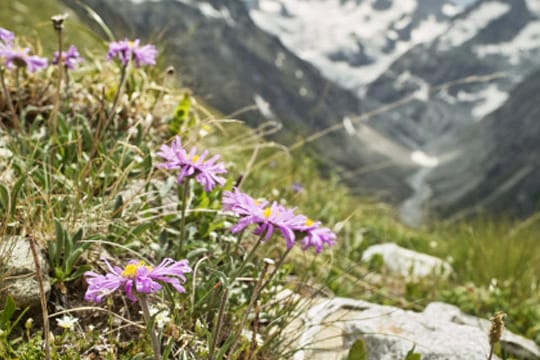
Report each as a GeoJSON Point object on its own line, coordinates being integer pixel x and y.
{"type": "Point", "coordinates": [267, 212]}
{"type": "Point", "coordinates": [309, 222]}
{"type": "Point", "coordinates": [130, 270]}
{"type": "Point", "coordinates": [131, 44]}
{"type": "Point", "coordinates": [195, 158]}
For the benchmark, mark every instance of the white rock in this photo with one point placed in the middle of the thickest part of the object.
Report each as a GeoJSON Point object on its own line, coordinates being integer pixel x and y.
{"type": "Point", "coordinates": [407, 263]}
{"type": "Point", "coordinates": [442, 331]}
{"type": "Point", "coordinates": [20, 280]}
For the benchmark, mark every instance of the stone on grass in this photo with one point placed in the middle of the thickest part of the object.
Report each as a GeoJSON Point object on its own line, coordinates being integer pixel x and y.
{"type": "Point", "coordinates": [440, 332]}
{"type": "Point", "coordinates": [407, 263]}
{"type": "Point", "coordinates": [18, 272]}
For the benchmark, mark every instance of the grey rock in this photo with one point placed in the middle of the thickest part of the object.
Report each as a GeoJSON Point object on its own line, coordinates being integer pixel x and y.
{"type": "Point", "coordinates": [408, 263]}
{"type": "Point", "coordinates": [440, 332]}
{"type": "Point", "coordinates": [19, 272]}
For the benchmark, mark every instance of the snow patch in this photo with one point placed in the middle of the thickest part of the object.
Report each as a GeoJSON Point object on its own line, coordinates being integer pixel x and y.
{"type": "Point", "coordinates": [263, 106]}
{"type": "Point", "coordinates": [492, 99]}
{"type": "Point", "coordinates": [451, 9]}
{"type": "Point", "coordinates": [348, 125]}
{"type": "Point", "coordinates": [466, 28]}
{"type": "Point", "coordinates": [315, 30]}
{"type": "Point", "coordinates": [527, 40]}
{"type": "Point", "coordinates": [534, 6]}
{"type": "Point", "coordinates": [421, 158]}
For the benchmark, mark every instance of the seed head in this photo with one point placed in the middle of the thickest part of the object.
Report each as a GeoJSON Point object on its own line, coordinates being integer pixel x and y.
{"type": "Point", "coordinates": [497, 327]}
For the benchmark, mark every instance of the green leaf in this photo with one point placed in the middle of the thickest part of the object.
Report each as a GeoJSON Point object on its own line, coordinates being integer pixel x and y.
{"type": "Point", "coordinates": [411, 355]}
{"type": "Point", "coordinates": [7, 313]}
{"type": "Point", "coordinates": [181, 114]}
{"type": "Point", "coordinates": [72, 259]}
{"type": "Point", "coordinates": [77, 237]}
{"type": "Point", "coordinates": [358, 351]}
{"type": "Point", "coordinates": [4, 197]}
{"type": "Point", "coordinates": [15, 193]}
{"type": "Point", "coordinates": [52, 252]}
{"type": "Point", "coordinates": [59, 239]}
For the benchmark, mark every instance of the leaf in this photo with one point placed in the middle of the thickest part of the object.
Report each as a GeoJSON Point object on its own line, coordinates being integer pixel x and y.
{"type": "Point", "coordinates": [77, 237]}
{"type": "Point", "coordinates": [15, 193]}
{"type": "Point", "coordinates": [59, 248]}
{"type": "Point", "coordinates": [411, 355]}
{"type": "Point", "coordinates": [7, 313]}
{"type": "Point", "coordinates": [358, 351]}
{"type": "Point", "coordinates": [4, 197]}
{"type": "Point", "coordinates": [181, 114]}
{"type": "Point", "coordinates": [72, 259]}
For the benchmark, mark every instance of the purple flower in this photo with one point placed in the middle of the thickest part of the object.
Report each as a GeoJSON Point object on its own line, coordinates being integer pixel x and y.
{"type": "Point", "coordinates": [6, 37]}
{"type": "Point", "coordinates": [205, 172]}
{"type": "Point", "coordinates": [240, 203]}
{"type": "Point", "coordinates": [136, 278]}
{"type": "Point", "coordinates": [126, 50]}
{"type": "Point", "coordinates": [297, 187]}
{"type": "Point", "coordinates": [317, 236]}
{"type": "Point", "coordinates": [267, 218]}
{"type": "Point", "coordinates": [277, 217]}
{"type": "Point", "coordinates": [70, 58]}
{"type": "Point", "coordinates": [19, 57]}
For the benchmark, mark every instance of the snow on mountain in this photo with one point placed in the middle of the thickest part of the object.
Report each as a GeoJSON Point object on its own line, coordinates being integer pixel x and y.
{"type": "Point", "coordinates": [352, 42]}
{"type": "Point", "coordinates": [468, 26]}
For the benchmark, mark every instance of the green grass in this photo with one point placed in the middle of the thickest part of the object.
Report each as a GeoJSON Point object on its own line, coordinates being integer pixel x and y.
{"type": "Point", "coordinates": [104, 196]}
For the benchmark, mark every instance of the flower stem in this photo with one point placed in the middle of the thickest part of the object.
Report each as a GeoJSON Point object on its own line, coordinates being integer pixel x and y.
{"type": "Point", "coordinates": [183, 219]}
{"type": "Point", "coordinates": [54, 114]}
{"type": "Point", "coordinates": [123, 73]}
{"type": "Point", "coordinates": [246, 260]}
{"type": "Point", "coordinates": [276, 268]}
{"type": "Point", "coordinates": [43, 300]}
{"type": "Point", "coordinates": [217, 328]}
{"type": "Point", "coordinates": [254, 297]}
{"type": "Point", "coordinates": [14, 120]}
{"type": "Point", "coordinates": [147, 319]}
{"type": "Point", "coordinates": [18, 93]}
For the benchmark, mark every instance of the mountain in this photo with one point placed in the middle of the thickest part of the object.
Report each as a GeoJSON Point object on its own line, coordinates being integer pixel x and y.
{"type": "Point", "coordinates": [454, 83]}
{"type": "Point", "coordinates": [352, 42]}
{"type": "Point", "coordinates": [497, 169]}
{"type": "Point", "coordinates": [232, 64]}
{"type": "Point", "coordinates": [454, 65]}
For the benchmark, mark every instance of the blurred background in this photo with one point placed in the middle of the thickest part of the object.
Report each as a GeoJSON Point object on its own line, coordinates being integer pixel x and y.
{"type": "Point", "coordinates": [429, 105]}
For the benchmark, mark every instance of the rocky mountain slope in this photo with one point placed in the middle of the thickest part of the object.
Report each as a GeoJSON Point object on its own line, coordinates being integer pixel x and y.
{"type": "Point", "coordinates": [352, 42]}
{"type": "Point", "coordinates": [309, 73]}
{"type": "Point", "coordinates": [232, 64]}
{"type": "Point", "coordinates": [479, 64]}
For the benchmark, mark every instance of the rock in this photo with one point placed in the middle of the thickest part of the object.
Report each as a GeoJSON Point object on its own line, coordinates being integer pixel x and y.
{"type": "Point", "coordinates": [18, 272]}
{"type": "Point", "coordinates": [440, 332]}
{"type": "Point", "coordinates": [407, 263]}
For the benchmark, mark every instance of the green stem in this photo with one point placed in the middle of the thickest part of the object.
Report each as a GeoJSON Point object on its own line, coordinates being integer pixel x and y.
{"type": "Point", "coordinates": [147, 319]}
{"type": "Point", "coordinates": [123, 77]}
{"type": "Point", "coordinates": [54, 115]}
{"type": "Point", "coordinates": [217, 328]}
{"type": "Point", "coordinates": [491, 349]}
{"type": "Point", "coordinates": [18, 93]}
{"type": "Point", "coordinates": [276, 268]}
{"type": "Point", "coordinates": [246, 260]}
{"type": "Point", "coordinates": [254, 297]}
{"type": "Point", "coordinates": [183, 219]}
{"type": "Point", "coordinates": [14, 120]}
{"type": "Point", "coordinates": [43, 300]}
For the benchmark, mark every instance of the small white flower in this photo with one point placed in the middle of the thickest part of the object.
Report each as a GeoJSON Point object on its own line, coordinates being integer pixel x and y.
{"type": "Point", "coordinates": [162, 317]}
{"type": "Point", "coordinates": [275, 192]}
{"type": "Point", "coordinates": [67, 322]}
{"type": "Point", "coordinates": [204, 130]}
